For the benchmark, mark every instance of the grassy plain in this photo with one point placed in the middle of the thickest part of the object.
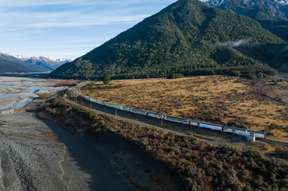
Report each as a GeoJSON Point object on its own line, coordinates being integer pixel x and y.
{"type": "Point", "coordinates": [260, 105]}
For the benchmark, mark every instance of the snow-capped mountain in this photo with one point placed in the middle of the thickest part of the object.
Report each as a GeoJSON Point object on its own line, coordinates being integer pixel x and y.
{"type": "Point", "coordinates": [213, 2]}
{"type": "Point", "coordinates": [11, 64]}
{"type": "Point", "coordinates": [44, 62]}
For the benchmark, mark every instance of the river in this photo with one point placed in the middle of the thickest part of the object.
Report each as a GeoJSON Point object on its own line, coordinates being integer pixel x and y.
{"type": "Point", "coordinates": [37, 155]}
{"type": "Point", "coordinates": [15, 93]}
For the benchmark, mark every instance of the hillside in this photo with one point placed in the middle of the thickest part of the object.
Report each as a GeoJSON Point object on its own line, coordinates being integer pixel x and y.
{"type": "Point", "coordinates": [272, 14]}
{"type": "Point", "coordinates": [274, 55]}
{"type": "Point", "coordinates": [187, 37]}
{"type": "Point", "coordinates": [258, 9]}
{"type": "Point", "coordinates": [10, 64]}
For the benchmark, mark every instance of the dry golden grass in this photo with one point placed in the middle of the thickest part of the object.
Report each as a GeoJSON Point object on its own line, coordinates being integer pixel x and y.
{"type": "Point", "coordinates": [221, 99]}
{"type": "Point", "coordinates": [69, 83]}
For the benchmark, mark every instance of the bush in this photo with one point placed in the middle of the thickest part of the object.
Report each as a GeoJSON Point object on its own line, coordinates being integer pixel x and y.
{"type": "Point", "coordinates": [175, 75]}
{"type": "Point", "coordinates": [200, 166]}
{"type": "Point", "coordinates": [106, 79]}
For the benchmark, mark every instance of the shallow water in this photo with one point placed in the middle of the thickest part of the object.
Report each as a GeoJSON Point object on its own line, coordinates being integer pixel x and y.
{"type": "Point", "coordinates": [16, 93]}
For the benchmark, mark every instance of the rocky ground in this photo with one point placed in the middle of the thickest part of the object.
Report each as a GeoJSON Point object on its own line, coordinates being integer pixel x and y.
{"type": "Point", "coordinates": [33, 159]}
{"type": "Point", "coordinates": [40, 155]}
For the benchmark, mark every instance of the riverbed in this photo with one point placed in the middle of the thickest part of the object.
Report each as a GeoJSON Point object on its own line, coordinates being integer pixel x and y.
{"type": "Point", "coordinates": [15, 93]}
{"type": "Point", "coordinates": [41, 155]}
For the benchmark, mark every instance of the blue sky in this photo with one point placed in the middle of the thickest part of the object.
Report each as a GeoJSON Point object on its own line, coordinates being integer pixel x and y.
{"type": "Point", "coordinates": [67, 28]}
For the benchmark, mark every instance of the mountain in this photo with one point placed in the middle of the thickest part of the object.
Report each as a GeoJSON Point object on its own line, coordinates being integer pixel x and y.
{"type": "Point", "coordinates": [187, 37]}
{"type": "Point", "coordinates": [283, 2]}
{"type": "Point", "coordinates": [272, 14]}
{"type": "Point", "coordinates": [251, 2]}
{"type": "Point", "coordinates": [44, 62]}
{"type": "Point", "coordinates": [274, 55]}
{"type": "Point", "coordinates": [10, 64]}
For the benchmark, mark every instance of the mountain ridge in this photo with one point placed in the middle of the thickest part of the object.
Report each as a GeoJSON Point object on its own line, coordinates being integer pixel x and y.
{"type": "Point", "coordinates": [11, 64]}
{"type": "Point", "coordinates": [273, 15]}
{"type": "Point", "coordinates": [44, 62]}
{"type": "Point", "coordinates": [220, 2]}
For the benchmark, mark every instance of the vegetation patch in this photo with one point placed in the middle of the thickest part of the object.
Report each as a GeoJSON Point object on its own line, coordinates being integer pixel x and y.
{"type": "Point", "coordinates": [226, 100]}
{"type": "Point", "coordinates": [200, 166]}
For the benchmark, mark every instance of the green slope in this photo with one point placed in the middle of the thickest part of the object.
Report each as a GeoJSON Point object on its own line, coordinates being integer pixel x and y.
{"type": "Point", "coordinates": [274, 55]}
{"type": "Point", "coordinates": [269, 13]}
{"type": "Point", "coordinates": [187, 37]}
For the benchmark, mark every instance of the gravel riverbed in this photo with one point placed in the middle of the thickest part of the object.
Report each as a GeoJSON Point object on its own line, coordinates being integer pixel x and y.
{"type": "Point", "coordinates": [32, 158]}
{"type": "Point", "coordinates": [38, 155]}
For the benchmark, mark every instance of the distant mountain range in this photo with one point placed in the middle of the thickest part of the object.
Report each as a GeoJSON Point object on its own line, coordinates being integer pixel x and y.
{"type": "Point", "coordinates": [191, 37]}
{"type": "Point", "coordinates": [44, 62]}
{"type": "Point", "coordinates": [11, 64]}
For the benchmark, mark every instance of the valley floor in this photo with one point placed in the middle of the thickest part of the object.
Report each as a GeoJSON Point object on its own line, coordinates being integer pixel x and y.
{"type": "Point", "coordinates": [39, 154]}
{"type": "Point", "coordinates": [261, 106]}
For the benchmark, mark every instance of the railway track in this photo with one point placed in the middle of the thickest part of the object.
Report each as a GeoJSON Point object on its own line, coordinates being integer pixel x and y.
{"type": "Point", "coordinates": [156, 121]}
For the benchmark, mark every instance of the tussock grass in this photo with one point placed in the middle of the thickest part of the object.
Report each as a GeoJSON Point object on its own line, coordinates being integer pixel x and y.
{"type": "Point", "coordinates": [69, 83]}
{"type": "Point", "coordinates": [227, 100]}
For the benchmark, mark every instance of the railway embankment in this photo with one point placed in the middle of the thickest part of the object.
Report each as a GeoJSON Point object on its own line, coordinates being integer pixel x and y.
{"type": "Point", "coordinates": [198, 165]}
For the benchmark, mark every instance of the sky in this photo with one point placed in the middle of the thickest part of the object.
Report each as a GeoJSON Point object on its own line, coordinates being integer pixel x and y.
{"type": "Point", "coordinates": [67, 28]}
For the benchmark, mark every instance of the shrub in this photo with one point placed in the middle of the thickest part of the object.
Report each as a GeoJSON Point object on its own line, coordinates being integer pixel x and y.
{"type": "Point", "coordinates": [200, 166]}
{"type": "Point", "coordinates": [106, 78]}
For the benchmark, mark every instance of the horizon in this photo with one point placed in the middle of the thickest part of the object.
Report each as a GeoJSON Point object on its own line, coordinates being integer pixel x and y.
{"type": "Point", "coordinates": [67, 29]}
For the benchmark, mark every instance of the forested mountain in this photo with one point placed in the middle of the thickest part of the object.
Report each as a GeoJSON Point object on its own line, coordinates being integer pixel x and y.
{"type": "Point", "coordinates": [188, 37]}
{"type": "Point", "coordinates": [258, 9]}
{"type": "Point", "coordinates": [272, 14]}
{"type": "Point", "coordinates": [274, 55]}
{"type": "Point", "coordinates": [10, 64]}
